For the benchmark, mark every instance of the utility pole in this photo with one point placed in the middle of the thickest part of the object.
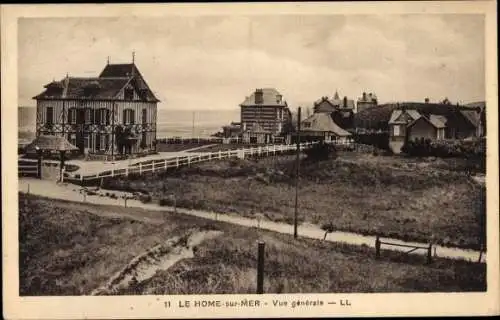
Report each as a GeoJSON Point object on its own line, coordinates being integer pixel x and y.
{"type": "Point", "coordinates": [297, 164]}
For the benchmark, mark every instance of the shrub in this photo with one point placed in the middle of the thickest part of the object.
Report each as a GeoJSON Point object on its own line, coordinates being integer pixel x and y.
{"type": "Point", "coordinates": [320, 152]}
{"type": "Point", "coordinates": [145, 198]}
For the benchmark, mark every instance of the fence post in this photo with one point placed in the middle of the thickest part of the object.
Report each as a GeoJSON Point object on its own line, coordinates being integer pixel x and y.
{"type": "Point", "coordinates": [176, 162]}
{"type": "Point", "coordinates": [429, 253]}
{"type": "Point", "coordinates": [113, 171]}
{"type": "Point", "coordinates": [189, 160]}
{"type": "Point", "coordinates": [220, 154]}
{"type": "Point", "coordinates": [260, 268]}
{"type": "Point", "coordinates": [377, 247]}
{"type": "Point", "coordinates": [28, 188]}
{"type": "Point", "coordinates": [140, 168]}
{"type": "Point", "coordinates": [153, 166]}
{"type": "Point", "coordinates": [125, 201]}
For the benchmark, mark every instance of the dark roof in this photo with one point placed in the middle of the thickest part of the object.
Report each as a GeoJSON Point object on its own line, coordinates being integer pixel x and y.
{"type": "Point", "coordinates": [55, 143]}
{"type": "Point", "coordinates": [271, 98]}
{"type": "Point", "coordinates": [119, 70]}
{"type": "Point", "coordinates": [382, 113]}
{"type": "Point", "coordinates": [110, 82]}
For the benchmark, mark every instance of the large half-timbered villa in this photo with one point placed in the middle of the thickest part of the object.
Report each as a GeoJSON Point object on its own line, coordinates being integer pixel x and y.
{"type": "Point", "coordinates": [109, 115]}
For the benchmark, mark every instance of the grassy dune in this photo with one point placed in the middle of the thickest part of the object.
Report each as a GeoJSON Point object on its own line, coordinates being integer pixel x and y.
{"type": "Point", "coordinates": [71, 249]}
{"type": "Point", "coordinates": [418, 200]}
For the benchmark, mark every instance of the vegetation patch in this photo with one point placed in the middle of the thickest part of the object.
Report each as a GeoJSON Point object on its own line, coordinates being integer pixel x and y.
{"type": "Point", "coordinates": [73, 249]}
{"type": "Point", "coordinates": [420, 199]}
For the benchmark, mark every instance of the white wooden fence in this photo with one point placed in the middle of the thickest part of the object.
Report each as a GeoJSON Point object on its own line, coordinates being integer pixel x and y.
{"type": "Point", "coordinates": [155, 165]}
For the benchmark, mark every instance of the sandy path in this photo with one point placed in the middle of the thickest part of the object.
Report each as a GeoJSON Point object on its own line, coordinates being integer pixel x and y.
{"type": "Point", "coordinates": [50, 189]}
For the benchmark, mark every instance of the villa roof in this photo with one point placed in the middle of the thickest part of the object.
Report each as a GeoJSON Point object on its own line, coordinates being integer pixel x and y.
{"type": "Point", "coordinates": [110, 82]}
{"type": "Point", "coordinates": [270, 97]}
{"type": "Point", "coordinates": [323, 122]}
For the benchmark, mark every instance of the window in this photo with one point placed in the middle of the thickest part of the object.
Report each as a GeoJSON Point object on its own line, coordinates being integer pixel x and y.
{"type": "Point", "coordinates": [128, 116]}
{"type": "Point", "coordinates": [87, 141]}
{"type": "Point", "coordinates": [102, 116]}
{"type": "Point", "coordinates": [307, 124]}
{"type": "Point", "coordinates": [396, 131]}
{"type": "Point", "coordinates": [89, 116]}
{"type": "Point", "coordinates": [101, 141]}
{"type": "Point", "coordinates": [49, 115]}
{"type": "Point", "coordinates": [72, 116]}
{"type": "Point", "coordinates": [144, 116]}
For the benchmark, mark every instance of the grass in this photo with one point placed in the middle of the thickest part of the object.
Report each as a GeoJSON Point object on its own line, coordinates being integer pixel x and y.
{"type": "Point", "coordinates": [71, 249]}
{"type": "Point", "coordinates": [231, 146]}
{"type": "Point", "coordinates": [175, 147]}
{"type": "Point", "coordinates": [411, 199]}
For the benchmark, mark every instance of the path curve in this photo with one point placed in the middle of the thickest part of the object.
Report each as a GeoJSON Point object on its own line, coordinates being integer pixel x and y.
{"type": "Point", "coordinates": [68, 192]}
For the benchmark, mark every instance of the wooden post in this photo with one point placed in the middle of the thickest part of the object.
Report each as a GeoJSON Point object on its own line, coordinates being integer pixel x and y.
{"type": "Point", "coordinates": [165, 164]}
{"type": "Point", "coordinates": [113, 171]}
{"type": "Point", "coordinates": [140, 168]}
{"type": "Point", "coordinates": [480, 251]}
{"type": "Point", "coordinates": [189, 160]}
{"type": "Point", "coordinates": [153, 166]}
{"type": "Point", "coordinates": [39, 164]}
{"type": "Point", "coordinates": [260, 267]}
{"type": "Point", "coordinates": [28, 188]}
{"type": "Point", "coordinates": [429, 253]}
{"type": "Point", "coordinates": [126, 171]}
{"type": "Point", "coordinates": [297, 163]}
{"type": "Point", "coordinates": [125, 201]}
{"type": "Point", "coordinates": [220, 154]}
{"type": "Point", "coordinates": [377, 247]}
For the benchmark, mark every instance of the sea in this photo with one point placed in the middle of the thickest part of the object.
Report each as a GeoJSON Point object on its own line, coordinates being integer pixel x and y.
{"type": "Point", "coordinates": [171, 123]}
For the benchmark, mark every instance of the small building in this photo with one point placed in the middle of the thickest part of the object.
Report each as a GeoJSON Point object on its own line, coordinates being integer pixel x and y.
{"type": "Point", "coordinates": [112, 114]}
{"type": "Point", "coordinates": [327, 105]}
{"type": "Point", "coordinates": [320, 126]}
{"type": "Point", "coordinates": [267, 108]}
{"type": "Point", "coordinates": [257, 134]}
{"type": "Point", "coordinates": [366, 101]}
{"type": "Point", "coordinates": [431, 121]}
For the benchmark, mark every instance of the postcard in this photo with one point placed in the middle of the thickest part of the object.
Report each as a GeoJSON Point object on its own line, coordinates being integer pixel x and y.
{"type": "Point", "coordinates": [249, 160]}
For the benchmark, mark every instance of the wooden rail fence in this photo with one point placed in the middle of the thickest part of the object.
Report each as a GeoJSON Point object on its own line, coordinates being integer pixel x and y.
{"type": "Point", "coordinates": [156, 165]}
{"type": "Point", "coordinates": [379, 243]}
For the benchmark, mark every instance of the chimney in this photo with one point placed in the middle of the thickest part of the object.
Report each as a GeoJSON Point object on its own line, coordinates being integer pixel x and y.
{"type": "Point", "coordinates": [426, 100]}
{"type": "Point", "coordinates": [364, 96]}
{"type": "Point", "coordinates": [345, 102]}
{"type": "Point", "coordinates": [259, 96]}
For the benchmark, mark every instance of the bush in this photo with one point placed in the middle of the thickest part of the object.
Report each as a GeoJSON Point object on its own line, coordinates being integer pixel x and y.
{"type": "Point", "coordinates": [378, 140]}
{"type": "Point", "coordinates": [321, 152]}
{"type": "Point", "coordinates": [145, 198]}
{"type": "Point", "coordinates": [446, 148]}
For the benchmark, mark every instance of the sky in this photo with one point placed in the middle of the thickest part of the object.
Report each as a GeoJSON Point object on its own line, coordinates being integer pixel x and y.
{"type": "Point", "coordinates": [213, 62]}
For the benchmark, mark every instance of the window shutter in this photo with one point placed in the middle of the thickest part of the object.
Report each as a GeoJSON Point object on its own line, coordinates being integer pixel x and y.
{"type": "Point", "coordinates": [124, 120]}
{"type": "Point", "coordinates": [132, 116]}
{"type": "Point", "coordinates": [107, 116]}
